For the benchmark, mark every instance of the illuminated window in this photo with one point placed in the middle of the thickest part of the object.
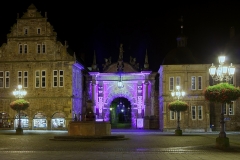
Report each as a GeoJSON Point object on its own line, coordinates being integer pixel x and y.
{"type": "Point", "coordinates": [178, 81]}
{"type": "Point", "coordinates": [193, 82]}
{"type": "Point", "coordinates": [171, 83]}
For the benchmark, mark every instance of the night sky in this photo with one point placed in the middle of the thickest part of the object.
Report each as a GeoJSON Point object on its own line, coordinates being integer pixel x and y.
{"type": "Point", "coordinates": [101, 26]}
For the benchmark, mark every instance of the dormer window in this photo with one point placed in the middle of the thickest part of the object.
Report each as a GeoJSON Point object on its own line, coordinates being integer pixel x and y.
{"type": "Point", "coordinates": [39, 31]}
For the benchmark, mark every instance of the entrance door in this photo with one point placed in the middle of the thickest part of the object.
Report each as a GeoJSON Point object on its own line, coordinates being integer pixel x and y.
{"type": "Point", "coordinates": [120, 111]}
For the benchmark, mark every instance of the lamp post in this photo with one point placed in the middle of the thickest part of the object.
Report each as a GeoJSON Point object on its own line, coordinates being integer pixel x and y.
{"type": "Point", "coordinates": [19, 93]}
{"type": "Point", "coordinates": [222, 73]}
{"type": "Point", "coordinates": [178, 94]}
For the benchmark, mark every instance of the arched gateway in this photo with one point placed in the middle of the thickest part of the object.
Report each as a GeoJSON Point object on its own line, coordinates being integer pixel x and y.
{"type": "Point", "coordinates": [123, 79]}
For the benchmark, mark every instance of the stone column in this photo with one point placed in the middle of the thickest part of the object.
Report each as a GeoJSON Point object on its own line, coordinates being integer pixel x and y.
{"type": "Point", "coordinates": [146, 99]}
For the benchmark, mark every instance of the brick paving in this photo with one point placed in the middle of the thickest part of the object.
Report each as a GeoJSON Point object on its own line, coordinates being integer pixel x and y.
{"type": "Point", "coordinates": [141, 144]}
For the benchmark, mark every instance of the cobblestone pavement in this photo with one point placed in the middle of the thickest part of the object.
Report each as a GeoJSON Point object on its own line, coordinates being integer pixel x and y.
{"type": "Point", "coordinates": [140, 145]}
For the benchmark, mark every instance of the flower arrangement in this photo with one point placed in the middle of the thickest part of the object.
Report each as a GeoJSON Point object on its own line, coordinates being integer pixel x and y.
{"type": "Point", "coordinates": [178, 106]}
{"type": "Point", "coordinates": [19, 104]}
{"type": "Point", "coordinates": [222, 93]}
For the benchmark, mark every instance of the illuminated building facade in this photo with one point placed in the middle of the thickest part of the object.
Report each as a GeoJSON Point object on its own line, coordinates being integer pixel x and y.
{"type": "Point", "coordinates": [33, 58]}
{"type": "Point", "coordinates": [122, 79]}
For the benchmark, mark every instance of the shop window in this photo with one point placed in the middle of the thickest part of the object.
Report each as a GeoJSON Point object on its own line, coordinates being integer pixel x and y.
{"type": "Point", "coordinates": [40, 121]}
{"type": "Point", "coordinates": [5, 122]}
{"type": "Point", "coordinates": [23, 120]}
{"type": "Point", "coordinates": [58, 121]}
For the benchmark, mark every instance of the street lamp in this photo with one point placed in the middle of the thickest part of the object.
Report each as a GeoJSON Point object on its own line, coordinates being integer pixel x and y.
{"type": "Point", "coordinates": [178, 94]}
{"type": "Point", "coordinates": [222, 73]}
{"type": "Point", "coordinates": [20, 93]}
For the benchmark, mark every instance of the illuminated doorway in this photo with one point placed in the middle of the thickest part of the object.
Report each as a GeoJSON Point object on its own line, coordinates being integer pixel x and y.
{"type": "Point", "coordinates": [120, 113]}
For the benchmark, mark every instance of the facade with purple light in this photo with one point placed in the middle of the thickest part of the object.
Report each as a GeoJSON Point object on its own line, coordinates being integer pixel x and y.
{"type": "Point", "coordinates": [122, 79]}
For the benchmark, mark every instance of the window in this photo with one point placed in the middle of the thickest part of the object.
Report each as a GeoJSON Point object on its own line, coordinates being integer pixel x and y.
{"type": "Point", "coordinates": [58, 78]}
{"type": "Point", "coordinates": [231, 81]}
{"type": "Point", "coordinates": [1, 79]}
{"type": "Point", "coordinates": [171, 83]}
{"type": "Point", "coordinates": [61, 78]}
{"type": "Point", "coordinates": [43, 79]}
{"type": "Point", "coordinates": [231, 109]}
{"type": "Point", "coordinates": [200, 112]}
{"type": "Point", "coordinates": [38, 31]}
{"type": "Point", "coordinates": [25, 79]}
{"type": "Point", "coordinates": [25, 48]}
{"type": "Point", "coordinates": [43, 48]}
{"type": "Point", "coordinates": [19, 77]}
{"type": "Point", "coordinates": [199, 82]}
{"type": "Point", "coordinates": [20, 48]}
{"type": "Point", "coordinates": [40, 79]}
{"type": "Point", "coordinates": [225, 109]}
{"type": "Point", "coordinates": [178, 81]}
{"type": "Point", "coordinates": [7, 79]}
{"type": "Point", "coordinates": [37, 79]}
{"type": "Point", "coordinates": [25, 31]}
{"type": "Point", "coordinates": [197, 112]}
{"type": "Point", "coordinates": [173, 115]}
{"type": "Point", "coordinates": [55, 78]}
{"type": "Point", "coordinates": [38, 48]}
{"type": "Point", "coordinates": [193, 112]}
{"type": "Point", "coordinates": [193, 82]}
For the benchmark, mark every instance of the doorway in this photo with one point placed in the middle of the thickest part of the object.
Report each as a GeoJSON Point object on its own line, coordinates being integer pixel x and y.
{"type": "Point", "coordinates": [120, 113]}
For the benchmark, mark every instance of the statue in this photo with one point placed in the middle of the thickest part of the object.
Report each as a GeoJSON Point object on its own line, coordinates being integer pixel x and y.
{"type": "Point", "coordinates": [107, 63]}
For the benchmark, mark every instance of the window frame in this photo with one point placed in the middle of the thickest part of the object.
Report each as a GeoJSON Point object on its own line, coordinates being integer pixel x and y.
{"type": "Point", "coordinates": [193, 113]}
{"type": "Point", "coordinates": [199, 82]}
{"type": "Point", "coordinates": [171, 83]}
{"type": "Point", "coordinates": [25, 79]}
{"type": "Point", "coordinates": [37, 79]}
{"type": "Point", "coordinates": [2, 79]}
{"type": "Point", "coordinates": [193, 85]}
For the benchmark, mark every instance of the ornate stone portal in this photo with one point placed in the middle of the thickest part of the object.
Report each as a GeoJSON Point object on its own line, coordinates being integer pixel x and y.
{"type": "Point", "coordinates": [122, 79]}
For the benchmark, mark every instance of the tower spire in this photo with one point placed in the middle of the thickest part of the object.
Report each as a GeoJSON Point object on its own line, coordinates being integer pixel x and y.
{"type": "Point", "coordinates": [181, 39]}
{"type": "Point", "coordinates": [94, 64]}
{"type": "Point", "coordinates": [146, 65]}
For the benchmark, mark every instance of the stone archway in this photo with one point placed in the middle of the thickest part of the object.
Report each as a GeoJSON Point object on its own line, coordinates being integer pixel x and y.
{"type": "Point", "coordinates": [117, 94]}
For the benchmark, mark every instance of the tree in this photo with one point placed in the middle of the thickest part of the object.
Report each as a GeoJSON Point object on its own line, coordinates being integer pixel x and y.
{"type": "Point", "coordinates": [222, 93]}
{"type": "Point", "coordinates": [178, 106]}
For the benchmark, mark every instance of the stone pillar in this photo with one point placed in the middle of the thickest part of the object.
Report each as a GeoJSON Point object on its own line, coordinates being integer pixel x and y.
{"type": "Point", "coordinates": [93, 96]}
{"type": "Point", "coordinates": [146, 99]}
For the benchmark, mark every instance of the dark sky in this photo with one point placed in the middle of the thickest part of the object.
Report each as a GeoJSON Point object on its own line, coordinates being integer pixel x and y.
{"type": "Point", "coordinates": [101, 26]}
